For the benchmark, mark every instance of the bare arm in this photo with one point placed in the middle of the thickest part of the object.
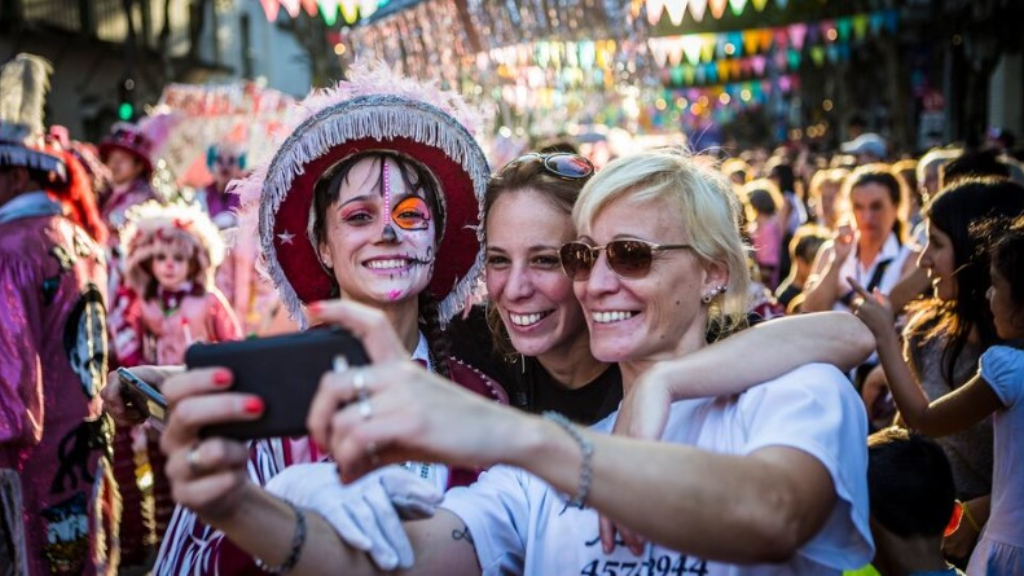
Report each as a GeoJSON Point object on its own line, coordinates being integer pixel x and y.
{"type": "Point", "coordinates": [913, 283]}
{"type": "Point", "coordinates": [822, 289]}
{"type": "Point", "coordinates": [442, 544]}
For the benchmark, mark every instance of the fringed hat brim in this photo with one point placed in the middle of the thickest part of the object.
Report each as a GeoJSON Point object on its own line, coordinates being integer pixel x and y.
{"type": "Point", "coordinates": [13, 154]}
{"type": "Point", "coordinates": [382, 122]}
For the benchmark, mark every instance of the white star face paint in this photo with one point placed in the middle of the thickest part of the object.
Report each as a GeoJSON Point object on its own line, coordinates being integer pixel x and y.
{"type": "Point", "coordinates": [380, 234]}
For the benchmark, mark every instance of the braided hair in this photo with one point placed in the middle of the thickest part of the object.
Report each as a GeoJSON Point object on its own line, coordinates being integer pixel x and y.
{"type": "Point", "coordinates": [437, 339]}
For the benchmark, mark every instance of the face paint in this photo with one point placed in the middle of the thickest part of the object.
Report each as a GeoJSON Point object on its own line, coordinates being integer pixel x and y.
{"type": "Point", "coordinates": [380, 234]}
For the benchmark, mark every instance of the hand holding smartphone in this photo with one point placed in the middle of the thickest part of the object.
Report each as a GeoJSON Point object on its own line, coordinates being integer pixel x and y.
{"type": "Point", "coordinates": [144, 397]}
{"type": "Point", "coordinates": [284, 371]}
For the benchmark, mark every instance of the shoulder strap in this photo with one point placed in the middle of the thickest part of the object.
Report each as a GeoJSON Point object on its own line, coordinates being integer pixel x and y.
{"type": "Point", "coordinates": [876, 278]}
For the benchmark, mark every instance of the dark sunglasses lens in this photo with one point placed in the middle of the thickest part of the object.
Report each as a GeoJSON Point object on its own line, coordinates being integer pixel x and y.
{"type": "Point", "coordinates": [577, 259]}
{"type": "Point", "coordinates": [569, 165]}
{"type": "Point", "coordinates": [629, 258]}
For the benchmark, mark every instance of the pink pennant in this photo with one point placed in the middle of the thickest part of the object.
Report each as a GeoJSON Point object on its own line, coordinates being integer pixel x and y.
{"type": "Point", "coordinates": [797, 35]}
{"type": "Point", "coordinates": [697, 8]}
{"type": "Point", "coordinates": [717, 8]}
{"type": "Point", "coordinates": [654, 11]}
{"type": "Point", "coordinates": [676, 9]}
{"type": "Point", "coordinates": [272, 7]}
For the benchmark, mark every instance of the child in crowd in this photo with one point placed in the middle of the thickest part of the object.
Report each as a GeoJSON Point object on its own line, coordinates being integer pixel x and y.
{"type": "Point", "coordinates": [997, 390]}
{"type": "Point", "coordinates": [803, 249]}
{"type": "Point", "coordinates": [167, 302]}
{"type": "Point", "coordinates": [913, 503]}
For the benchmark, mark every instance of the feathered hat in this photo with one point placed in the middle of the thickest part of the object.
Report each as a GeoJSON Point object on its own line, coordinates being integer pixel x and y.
{"type": "Point", "coordinates": [23, 85]}
{"type": "Point", "coordinates": [133, 140]}
{"type": "Point", "coordinates": [375, 110]}
{"type": "Point", "coordinates": [151, 224]}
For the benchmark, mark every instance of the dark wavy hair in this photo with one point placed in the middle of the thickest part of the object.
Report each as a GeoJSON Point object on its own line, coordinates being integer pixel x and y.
{"type": "Point", "coordinates": [957, 211]}
{"type": "Point", "coordinates": [327, 191]}
{"type": "Point", "coordinates": [882, 175]}
{"type": "Point", "coordinates": [528, 173]}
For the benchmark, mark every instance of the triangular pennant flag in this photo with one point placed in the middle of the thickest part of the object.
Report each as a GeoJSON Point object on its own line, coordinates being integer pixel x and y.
{"type": "Point", "coordinates": [292, 7]}
{"type": "Point", "coordinates": [759, 4]}
{"type": "Point", "coordinates": [785, 84]}
{"type": "Point", "coordinates": [737, 6]}
{"type": "Point", "coordinates": [860, 26]}
{"type": "Point", "coordinates": [587, 55]}
{"type": "Point", "coordinates": [844, 51]}
{"type": "Point", "coordinates": [757, 63]}
{"type": "Point", "coordinates": [891, 21]}
{"type": "Point", "coordinates": [350, 11]}
{"type": "Point", "coordinates": [677, 75]}
{"type": "Point", "coordinates": [707, 47]}
{"type": "Point", "coordinates": [813, 32]}
{"type": "Point", "coordinates": [654, 10]}
{"type": "Point", "coordinates": [697, 8]}
{"type": "Point", "coordinates": [310, 7]}
{"type": "Point", "coordinates": [751, 41]}
{"type": "Point", "coordinates": [271, 8]}
{"type": "Point", "coordinates": [826, 26]}
{"type": "Point", "coordinates": [781, 38]}
{"type": "Point", "coordinates": [747, 66]}
{"type": "Point", "coordinates": [676, 9]}
{"type": "Point", "coordinates": [721, 41]}
{"type": "Point", "coordinates": [722, 67]}
{"type": "Point", "coordinates": [818, 55]}
{"type": "Point", "coordinates": [797, 35]}
{"type": "Point", "coordinates": [367, 8]}
{"type": "Point", "coordinates": [692, 47]}
{"type": "Point", "coordinates": [701, 75]}
{"type": "Point", "coordinates": [542, 54]}
{"type": "Point", "coordinates": [766, 36]}
{"type": "Point", "coordinates": [832, 52]}
{"type": "Point", "coordinates": [781, 61]}
{"type": "Point", "coordinates": [717, 8]}
{"type": "Point", "coordinates": [329, 11]}
{"type": "Point", "coordinates": [794, 57]}
{"type": "Point", "coordinates": [843, 27]}
{"type": "Point", "coordinates": [875, 22]}
{"type": "Point", "coordinates": [689, 74]}
{"type": "Point", "coordinates": [711, 73]}
{"type": "Point", "coordinates": [736, 68]}
{"type": "Point", "coordinates": [782, 4]}
{"type": "Point", "coordinates": [675, 53]}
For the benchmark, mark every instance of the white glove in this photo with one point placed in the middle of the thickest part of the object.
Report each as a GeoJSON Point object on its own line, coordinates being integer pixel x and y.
{"type": "Point", "coordinates": [366, 514]}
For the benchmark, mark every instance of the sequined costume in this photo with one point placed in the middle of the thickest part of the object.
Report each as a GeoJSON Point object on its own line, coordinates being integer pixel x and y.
{"type": "Point", "coordinates": [58, 499]}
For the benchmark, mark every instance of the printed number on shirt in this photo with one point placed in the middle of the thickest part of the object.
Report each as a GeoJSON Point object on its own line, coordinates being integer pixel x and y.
{"type": "Point", "coordinates": [661, 566]}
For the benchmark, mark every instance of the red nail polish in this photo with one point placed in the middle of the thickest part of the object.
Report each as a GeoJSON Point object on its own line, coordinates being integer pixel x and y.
{"type": "Point", "coordinates": [222, 378]}
{"type": "Point", "coordinates": [253, 406]}
{"type": "Point", "coordinates": [315, 308]}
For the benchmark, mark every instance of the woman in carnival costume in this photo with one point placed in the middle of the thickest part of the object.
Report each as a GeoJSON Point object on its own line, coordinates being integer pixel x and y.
{"type": "Point", "coordinates": [374, 196]}
{"type": "Point", "coordinates": [59, 506]}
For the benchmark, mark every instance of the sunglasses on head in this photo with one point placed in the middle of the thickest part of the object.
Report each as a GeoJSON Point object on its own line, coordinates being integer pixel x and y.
{"type": "Point", "coordinates": [565, 165]}
{"type": "Point", "coordinates": [627, 258]}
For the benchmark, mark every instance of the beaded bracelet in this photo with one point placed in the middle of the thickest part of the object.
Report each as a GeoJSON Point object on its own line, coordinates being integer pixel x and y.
{"type": "Point", "coordinates": [298, 542]}
{"type": "Point", "coordinates": [587, 448]}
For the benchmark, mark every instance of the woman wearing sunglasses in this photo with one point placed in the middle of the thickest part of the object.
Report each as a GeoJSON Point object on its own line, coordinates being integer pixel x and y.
{"type": "Point", "coordinates": [770, 480]}
{"type": "Point", "coordinates": [540, 345]}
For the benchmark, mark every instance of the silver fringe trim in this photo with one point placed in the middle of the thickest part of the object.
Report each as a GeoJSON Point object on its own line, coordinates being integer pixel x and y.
{"type": "Point", "coordinates": [381, 117]}
{"type": "Point", "coordinates": [15, 155]}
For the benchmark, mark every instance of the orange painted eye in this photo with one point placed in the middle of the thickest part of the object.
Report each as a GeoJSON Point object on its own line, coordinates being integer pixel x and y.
{"type": "Point", "coordinates": [412, 214]}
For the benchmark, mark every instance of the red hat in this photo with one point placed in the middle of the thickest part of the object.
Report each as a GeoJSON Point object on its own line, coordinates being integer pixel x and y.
{"type": "Point", "coordinates": [374, 111]}
{"type": "Point", "coordinates": [128, 137]}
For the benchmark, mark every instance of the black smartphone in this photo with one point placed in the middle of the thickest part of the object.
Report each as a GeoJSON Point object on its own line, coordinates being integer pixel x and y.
{"type": "Point", "coordinates": [284, 371]}
{"type": "Point", "coordinates": [144, 397]}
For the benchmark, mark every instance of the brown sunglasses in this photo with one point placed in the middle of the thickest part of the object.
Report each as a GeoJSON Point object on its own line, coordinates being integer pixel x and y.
{"type": "Point", "coordinates": [627, 258]}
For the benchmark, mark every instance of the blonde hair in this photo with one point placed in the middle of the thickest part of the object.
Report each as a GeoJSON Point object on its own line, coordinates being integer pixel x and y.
{"type": "Point", "coordinates": [709, 213]}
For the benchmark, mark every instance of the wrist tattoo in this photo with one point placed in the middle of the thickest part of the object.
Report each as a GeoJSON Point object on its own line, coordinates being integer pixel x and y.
{"type": "Point", "coordinates": [462, 534]}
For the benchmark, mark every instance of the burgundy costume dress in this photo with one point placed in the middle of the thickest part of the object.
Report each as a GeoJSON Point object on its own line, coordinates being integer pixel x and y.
{"type": "Point", "coordinates": [191, 548]}
{"type": "Point", "coordinates": [59, 505]}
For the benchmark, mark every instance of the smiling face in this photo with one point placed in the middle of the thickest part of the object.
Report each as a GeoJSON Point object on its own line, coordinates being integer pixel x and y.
{"type": "Point", "coordinates": [939, 261]}
{"type": "Point", "coordinates": [380, 234]}
{"type": "Point", "coordinates": [524, 278]}
{"type": "Point", "coordinates": [655, 316]}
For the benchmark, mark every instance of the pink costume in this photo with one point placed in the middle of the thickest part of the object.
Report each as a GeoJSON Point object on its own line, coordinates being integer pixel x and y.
{"type": "Point", "coordinates": [117, 203]}
{"type": "Point", "coordinates": [58, 500]}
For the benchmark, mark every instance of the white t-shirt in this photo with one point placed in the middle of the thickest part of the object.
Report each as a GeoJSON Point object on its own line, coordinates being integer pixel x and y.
{"type": "Point", "coordinates": [1000, 549]}
{"type": "Point", "coordinates": [892, 251]}
{"type": "Point", "coordinates": [521, 525]}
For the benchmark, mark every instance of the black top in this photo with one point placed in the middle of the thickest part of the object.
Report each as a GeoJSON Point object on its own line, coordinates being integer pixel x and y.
{"type": "Point", "coordinates": [529, 386]}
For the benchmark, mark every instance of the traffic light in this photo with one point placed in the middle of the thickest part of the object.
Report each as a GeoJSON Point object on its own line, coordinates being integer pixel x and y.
{"type": "Point", "coordinates": [126, 100]}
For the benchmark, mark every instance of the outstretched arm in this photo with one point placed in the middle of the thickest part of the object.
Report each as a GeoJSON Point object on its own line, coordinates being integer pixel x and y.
{"type": "Point", "coordinates": [738, 362]}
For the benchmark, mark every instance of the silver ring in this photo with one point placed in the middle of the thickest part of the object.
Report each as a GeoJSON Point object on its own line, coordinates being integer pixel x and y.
{"type": "Point", "coordinates": [195, 466]}
{"type": "Point", "coordinates": [359, 382]}
{"type": "Point", "coordinates": [365, 410]}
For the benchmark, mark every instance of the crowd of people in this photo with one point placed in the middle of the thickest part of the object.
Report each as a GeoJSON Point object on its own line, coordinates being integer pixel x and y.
{"type": "Point", "coordinates": [668, 364]}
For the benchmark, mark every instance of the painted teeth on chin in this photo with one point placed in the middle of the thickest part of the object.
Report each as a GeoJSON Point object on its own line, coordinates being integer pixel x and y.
{"type": "Point", "coordinates": [387, 264]}
{"type": "Point", "coordinates": [609, 317]}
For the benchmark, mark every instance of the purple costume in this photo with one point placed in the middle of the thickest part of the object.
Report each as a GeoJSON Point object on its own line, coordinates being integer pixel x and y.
{"type": "Point", "coordinates": [58, 501]}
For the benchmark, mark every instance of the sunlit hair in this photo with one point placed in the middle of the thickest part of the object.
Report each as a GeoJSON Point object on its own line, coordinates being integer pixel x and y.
{"type": "Point", "coordinates": [709, 213]}
{"type": "Point", "coordinates": [762, 196]}
{"type": "Point", "coordinates": [881, 174]}
{"type": "Point", "coordinates": [931, 162]}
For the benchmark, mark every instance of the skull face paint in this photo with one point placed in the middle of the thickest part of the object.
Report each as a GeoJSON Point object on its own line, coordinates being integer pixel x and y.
{"type": "Point", "coordinates": [380, 233]}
